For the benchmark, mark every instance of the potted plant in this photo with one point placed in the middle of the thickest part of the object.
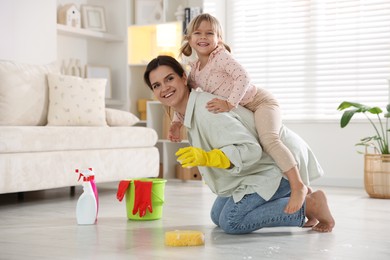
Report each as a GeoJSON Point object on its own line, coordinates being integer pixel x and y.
{"type": "Point", "coordinates": [377, 164]}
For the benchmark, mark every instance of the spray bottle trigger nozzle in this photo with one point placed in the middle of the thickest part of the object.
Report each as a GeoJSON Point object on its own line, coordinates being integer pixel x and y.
{"type": "Point", "coordinates": [77, 171]}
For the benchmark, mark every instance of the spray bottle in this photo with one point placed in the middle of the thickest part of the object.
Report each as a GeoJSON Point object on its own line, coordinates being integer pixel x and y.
{"type": "Point", "coordinates": [87, 205]}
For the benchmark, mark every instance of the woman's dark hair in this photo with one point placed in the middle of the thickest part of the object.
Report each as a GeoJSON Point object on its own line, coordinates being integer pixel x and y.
{"type": "Point", "coordinates": [160, 61]}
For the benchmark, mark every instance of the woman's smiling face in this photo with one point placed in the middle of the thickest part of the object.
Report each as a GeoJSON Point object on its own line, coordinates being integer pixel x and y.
{"type": "Point", "coordinates": [168, 87]}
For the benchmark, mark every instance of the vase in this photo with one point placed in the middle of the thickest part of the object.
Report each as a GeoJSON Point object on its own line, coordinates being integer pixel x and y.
{"type": "Point", "coordinates": [78, 69]}
{"type": "Point", "coordinates": [377, 175]}
{"type": "Point", "coordinates": [70, 68]}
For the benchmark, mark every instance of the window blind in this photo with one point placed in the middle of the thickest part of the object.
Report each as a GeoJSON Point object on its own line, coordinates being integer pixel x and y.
{"type": "Point", "coordinates": [314, 54]}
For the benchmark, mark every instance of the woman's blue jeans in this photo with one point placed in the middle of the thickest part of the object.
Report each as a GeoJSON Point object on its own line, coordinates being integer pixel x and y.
{"type": "Point", "coordinates": [252, 212]}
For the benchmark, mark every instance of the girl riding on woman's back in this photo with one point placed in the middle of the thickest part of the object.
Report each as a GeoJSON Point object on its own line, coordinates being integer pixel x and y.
{"type": "Point", "coordinates": [217, 72]}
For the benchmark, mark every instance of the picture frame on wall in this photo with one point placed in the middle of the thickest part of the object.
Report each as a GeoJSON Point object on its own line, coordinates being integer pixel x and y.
{"type": "Point", "coordinates": [100, 72]}
{"type": "Point", "coordinates": [93, 18]}
{"type": "Point", "coordinates": [149, 12]}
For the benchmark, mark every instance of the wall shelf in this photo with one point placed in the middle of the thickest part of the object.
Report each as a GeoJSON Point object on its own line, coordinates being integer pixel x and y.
{"type": "Point", "coordinates": [100, 49]}
{"type": "Point", "coordinates": [148, 41]}
{"type": "Point", "coordinates": [154, 119]}
{"type": "Point", "coordinates": [87, 34]}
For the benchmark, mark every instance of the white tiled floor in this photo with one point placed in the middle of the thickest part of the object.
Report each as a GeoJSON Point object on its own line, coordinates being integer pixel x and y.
{"type": "Point", "coordinates": [43, 226]}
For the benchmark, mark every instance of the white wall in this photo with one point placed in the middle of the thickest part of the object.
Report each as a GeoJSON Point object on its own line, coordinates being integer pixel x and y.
{"type": "Point", "coordinates": [28, 31]}
{"type": "Point", "coordinates": [336, 151]}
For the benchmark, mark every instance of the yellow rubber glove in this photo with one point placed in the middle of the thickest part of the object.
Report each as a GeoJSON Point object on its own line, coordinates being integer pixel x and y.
{"type": "Point", "coordinates": [192, 156]}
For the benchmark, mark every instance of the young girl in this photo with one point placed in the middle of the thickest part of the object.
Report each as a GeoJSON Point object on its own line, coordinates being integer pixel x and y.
{"type": "Point", "coordinates": [217, 72]}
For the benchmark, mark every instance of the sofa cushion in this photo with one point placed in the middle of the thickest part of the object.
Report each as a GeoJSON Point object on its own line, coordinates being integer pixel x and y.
{"type": "Point", "coordinates": [24, 93]}
{"type": "Point", "coordinates": [74, 101]}
{"type": "Point", "coordinates": [117, 117]}
{"type": "Point", "coordinates": [14, 139]}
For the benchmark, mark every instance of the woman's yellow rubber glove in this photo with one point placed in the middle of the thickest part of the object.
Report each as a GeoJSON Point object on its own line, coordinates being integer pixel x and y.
{"type": "Point", "coordinates": [192, 156]}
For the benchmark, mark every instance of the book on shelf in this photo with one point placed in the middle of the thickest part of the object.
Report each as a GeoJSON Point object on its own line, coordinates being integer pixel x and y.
{"type": "Point", "coordinates": [189, 14]}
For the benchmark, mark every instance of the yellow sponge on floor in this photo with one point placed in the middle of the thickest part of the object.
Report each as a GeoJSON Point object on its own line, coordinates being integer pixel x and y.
{"type": "Point", "coordinates": [184, 238]}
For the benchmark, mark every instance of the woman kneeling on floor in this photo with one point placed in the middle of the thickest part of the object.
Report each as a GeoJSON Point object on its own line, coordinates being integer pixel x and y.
{"type": "Point", "coordinates": [252, 191]}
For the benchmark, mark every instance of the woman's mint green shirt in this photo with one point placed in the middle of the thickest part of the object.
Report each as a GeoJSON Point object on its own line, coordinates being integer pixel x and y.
{"type": "Point", "coordinates": [235, 134]}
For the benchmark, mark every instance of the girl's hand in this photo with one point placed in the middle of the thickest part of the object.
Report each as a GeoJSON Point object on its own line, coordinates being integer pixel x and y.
{"type": "Point", "coordinates": [217, 105]}
{"type": "Point", "coordinates": [174, 132]}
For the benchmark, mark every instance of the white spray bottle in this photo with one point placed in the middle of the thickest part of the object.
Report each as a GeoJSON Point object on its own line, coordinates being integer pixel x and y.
{"type": "Point", "coordinates": [87, 205]}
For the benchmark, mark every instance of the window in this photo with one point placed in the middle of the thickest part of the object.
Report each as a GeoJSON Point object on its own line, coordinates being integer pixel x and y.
{"type": "Point", "coordinates": [314, 54]}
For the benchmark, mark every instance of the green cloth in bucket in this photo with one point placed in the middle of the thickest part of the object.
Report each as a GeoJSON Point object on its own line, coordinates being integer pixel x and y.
{"type": "Point", "coordinates": [157, 199]}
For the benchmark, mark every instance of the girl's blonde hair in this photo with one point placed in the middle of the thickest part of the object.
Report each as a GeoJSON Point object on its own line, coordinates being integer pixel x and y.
{"type": "Point", "coordinates": [194, 25]}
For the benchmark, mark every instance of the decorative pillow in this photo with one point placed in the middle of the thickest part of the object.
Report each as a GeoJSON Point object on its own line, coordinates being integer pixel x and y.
{"type": "Point", "coordinates": [24, 93]}
{"type": "Point", "coordinates": [75, 101]}
{"type": "Point", "coordinates": [117, 117]}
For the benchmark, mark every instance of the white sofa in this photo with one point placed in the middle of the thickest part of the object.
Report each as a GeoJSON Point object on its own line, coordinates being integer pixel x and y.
{"type": "Point", "coordinates": [37, 152]}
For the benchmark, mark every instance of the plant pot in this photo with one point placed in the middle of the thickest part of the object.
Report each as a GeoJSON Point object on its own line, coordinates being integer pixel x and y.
{"type": "Point", "coordinates": [377, 175]}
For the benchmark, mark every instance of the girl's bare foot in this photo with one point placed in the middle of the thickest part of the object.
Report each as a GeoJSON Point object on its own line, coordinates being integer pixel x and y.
{"type": "Point", "coordinates": [296, 200]}
{"type": "Point", "coordinates": [317, 208]}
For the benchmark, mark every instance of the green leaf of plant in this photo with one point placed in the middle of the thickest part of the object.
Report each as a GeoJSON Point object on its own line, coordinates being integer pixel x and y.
{"type": "Point", "coordinates": [378, 142]}
{"type": "Point", "coordinates": [374, 110]}
{"type": "Point", "coordinates": [347, 104]}
{"type": "Point", "coordinates": [344, 105]}
{"type": "Point", "coordinates": [387, 115]}
{"type": "Point", "coordinates": [370, 138]}
{"type": "Point", "coordinates": [346, 117]}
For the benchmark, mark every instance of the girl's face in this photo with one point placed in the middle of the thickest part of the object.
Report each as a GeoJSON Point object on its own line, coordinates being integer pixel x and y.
{"type": "Point", "coordinates": [169, 88]}
{"type": "Point", "coordinates": [204, 39]}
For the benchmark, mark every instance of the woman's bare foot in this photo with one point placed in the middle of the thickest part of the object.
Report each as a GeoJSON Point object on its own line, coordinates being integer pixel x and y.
{"type": "Point", "coordinates": [298, 195]}
{"type": "Point", "coordinates": [317, 208]}
{"type": "Point", "coordinates": [311, 222]}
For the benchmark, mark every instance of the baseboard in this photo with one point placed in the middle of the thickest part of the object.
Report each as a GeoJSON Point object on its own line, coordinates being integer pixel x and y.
{"type": "Point", "coordinates": [339, 182]}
